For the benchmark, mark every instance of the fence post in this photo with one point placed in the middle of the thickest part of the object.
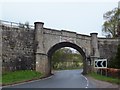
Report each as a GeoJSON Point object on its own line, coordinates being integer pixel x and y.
{"type": "Point", "coordinates": [101, 71]}
{"type": "Point", "coordinates": [106, 72]}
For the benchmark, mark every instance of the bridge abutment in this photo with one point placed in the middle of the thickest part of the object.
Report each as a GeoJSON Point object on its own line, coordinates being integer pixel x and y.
{"type": "Point", "coordinates": [95, 52]}
{"type": "Point", "coordinates": [42, 64]}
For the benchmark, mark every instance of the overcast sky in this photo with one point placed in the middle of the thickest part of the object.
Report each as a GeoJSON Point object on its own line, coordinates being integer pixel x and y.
{"type": "Point", "coordinates": [81, 16]}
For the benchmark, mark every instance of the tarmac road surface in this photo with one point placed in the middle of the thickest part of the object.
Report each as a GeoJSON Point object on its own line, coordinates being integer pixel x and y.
{"type": "Point", "coordinates": [60, 79]}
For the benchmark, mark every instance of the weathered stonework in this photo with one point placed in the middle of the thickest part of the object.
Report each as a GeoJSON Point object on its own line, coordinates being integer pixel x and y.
{"type": "Point", "coordinates": [17, 48]}
{"type": "Point", "coordinates": [24, 48]}
{"type": "Point", "coordinates": [0, 52]}
{"type": "Point", "coordinates": [107, 47]}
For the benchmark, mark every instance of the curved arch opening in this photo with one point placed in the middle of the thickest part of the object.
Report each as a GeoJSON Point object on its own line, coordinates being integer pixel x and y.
{"type": "Point", "coordinates": [67, 44]}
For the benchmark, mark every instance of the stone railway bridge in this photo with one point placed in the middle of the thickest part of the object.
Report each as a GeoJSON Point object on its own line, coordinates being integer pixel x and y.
{"type": "Point", "coordinates": [25, 48]}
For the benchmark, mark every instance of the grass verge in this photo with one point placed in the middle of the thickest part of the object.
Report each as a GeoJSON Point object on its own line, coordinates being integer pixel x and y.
{"type": "Point", "coordinates": [105, 78]}
{"type": "Point", "coordinates": [20, 76]}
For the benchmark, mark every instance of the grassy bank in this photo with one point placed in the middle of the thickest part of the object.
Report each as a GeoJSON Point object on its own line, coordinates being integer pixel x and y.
{"type": "Point", "coordinates": [105, 78]}
{"type": "Point", "coordinates": [20, 76]}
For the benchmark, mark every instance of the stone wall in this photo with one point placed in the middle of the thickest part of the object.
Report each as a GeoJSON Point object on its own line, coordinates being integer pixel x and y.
{"type": "Point", "coordinates": [17, 48]}
{"type": "Point", "coordinates": [107, 47]}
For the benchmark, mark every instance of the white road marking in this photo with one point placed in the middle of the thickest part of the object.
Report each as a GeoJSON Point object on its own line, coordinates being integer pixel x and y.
{"type": "Point", "coordinates": [86, 80]}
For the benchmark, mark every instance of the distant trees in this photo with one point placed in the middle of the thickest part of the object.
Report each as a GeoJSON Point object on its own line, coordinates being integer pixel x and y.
{"type": "Point", "coordinates": [111, 26]}
{"type": "Point", "coordinates": [65, 59]}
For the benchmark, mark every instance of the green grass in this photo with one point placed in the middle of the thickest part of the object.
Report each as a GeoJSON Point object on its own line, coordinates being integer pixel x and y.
{"type": "Point", "coordinates": [19, 76]}
{"type": "Point", "coordinates": [69, 68]}
{"type": "Point", "coordinates": [105, 78]}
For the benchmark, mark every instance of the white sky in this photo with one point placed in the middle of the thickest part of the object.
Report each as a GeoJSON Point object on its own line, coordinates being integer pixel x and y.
{"type": "Point", "coordinates": [81, 16]}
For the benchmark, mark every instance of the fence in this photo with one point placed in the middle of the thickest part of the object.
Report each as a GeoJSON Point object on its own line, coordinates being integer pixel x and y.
{"type": "Point", "coordinates": [110, 72]}
{"type": "Point", "coordinates": [15, 25]}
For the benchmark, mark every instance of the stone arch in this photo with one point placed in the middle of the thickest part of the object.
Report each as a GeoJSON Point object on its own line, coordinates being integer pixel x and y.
{"type": "Point", "coordinates": [68, 44]}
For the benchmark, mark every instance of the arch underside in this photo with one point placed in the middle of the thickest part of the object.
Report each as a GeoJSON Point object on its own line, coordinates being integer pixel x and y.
{"type": "Point", "coordinates": [68, 44]}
